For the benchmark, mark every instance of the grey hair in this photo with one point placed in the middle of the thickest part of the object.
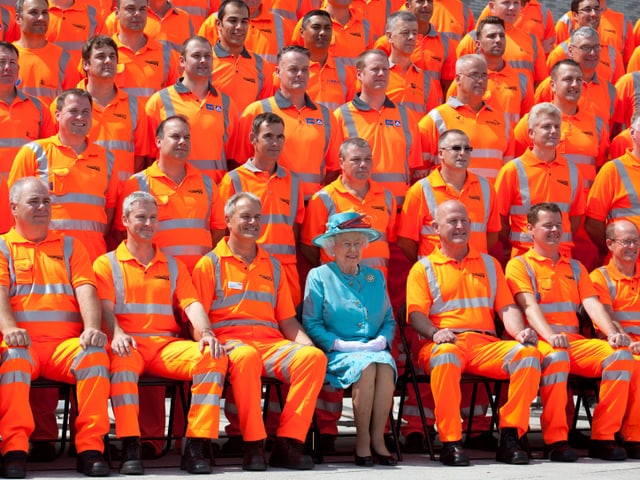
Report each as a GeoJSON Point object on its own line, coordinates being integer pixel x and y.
{"type": "Point", "coordinates": [470, 58]}
{"type": "Point", "coordinates": [352, 141]}
{"type": "Point", "coordinates": [329, 243]}
{"type": "Point", "coordinates": [136, 197]}
{"type": "Point", "coordinates": [16, 189]}
{"type": "Point", "coordinates": [400, 16]}
{"type": "Point", "coordinates": [584, 32]}
{"type": "Point", "coordinates": [544, 108]}
{"type": "Point", "coordinates": [230, 206]}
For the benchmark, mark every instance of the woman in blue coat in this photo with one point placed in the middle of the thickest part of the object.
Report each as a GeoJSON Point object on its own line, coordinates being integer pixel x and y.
{"type": "Point", "coordinates": [347, 314]}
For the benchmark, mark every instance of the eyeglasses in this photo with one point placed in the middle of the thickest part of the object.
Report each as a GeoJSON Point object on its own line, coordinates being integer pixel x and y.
{"type": "Point", "coordinates": [627, 243]}
{"type": "Point", "coordinates": [588, 10]}
{"type": "Point", "coordinates": [459, 148]}
{"type": "Point", "coordinates": [476, 76]}
{"type": "Point", "coordinates": [358, 222]}
{"type": "Point", "coordinates": [589, 48]}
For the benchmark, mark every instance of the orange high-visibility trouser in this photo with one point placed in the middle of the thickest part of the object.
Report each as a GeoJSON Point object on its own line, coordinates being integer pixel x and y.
{"type": "Point", "coordinates": [302, 367]}
{"type": "Point", "coordinates": [631, 422]}
{"type": "Point", "coordinates": [481, 355]}
{"type": "Point", "coordinates": [173, 358]}
{"type": "Point", "coordinates": [63, 362]}
{"type": "Point", "coordinates": [589, 357]}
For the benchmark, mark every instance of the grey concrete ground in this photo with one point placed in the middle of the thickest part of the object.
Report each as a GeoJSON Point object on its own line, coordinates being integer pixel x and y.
{"type": "Point", "coordinates": [412, 466]}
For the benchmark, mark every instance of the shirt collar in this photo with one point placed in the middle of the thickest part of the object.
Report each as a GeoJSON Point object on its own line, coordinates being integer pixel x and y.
{"type": "Point", "coordinates": [123, 253]}
{"type": "Point", "coordinates": [364, 106]}
{"type": "Point", "coordinates": [283, 102]}
{"type": "Point", "coordinates": [221, 52]}
{"type": "Point", "coordinates": [182, 88]}
{"type": "Point", "coordinates": [249, 165]}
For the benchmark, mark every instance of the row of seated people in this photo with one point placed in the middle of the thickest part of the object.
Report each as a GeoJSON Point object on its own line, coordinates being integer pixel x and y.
{"type": "Point", "coordinates": [243, 320]}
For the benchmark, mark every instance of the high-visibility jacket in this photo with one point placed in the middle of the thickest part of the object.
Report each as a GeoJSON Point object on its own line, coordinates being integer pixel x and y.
{"type": "Point", "coordinates": [627, 102]}
{"type": "Point", "coordinates": [452, 18]}
{"type": "Point", "coordinates": [212, 122]}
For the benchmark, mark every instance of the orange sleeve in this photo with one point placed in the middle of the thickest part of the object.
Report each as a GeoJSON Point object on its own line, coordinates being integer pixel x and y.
{"type": "Point", "coordinates": [629, 44]}
{"type": "Point", "coordinates": [382, 43]}
{"type": "Point", "coordinates": [506, 184]}
{"type": "Point", "coordinates": [104, 279]}
{"type": "Point", "coordinates": [579, 200]}
{"type": "Point", "coordinates": [466, 46]}
{"type": "Point", "coordinates": [284, 304]}
{"type": "Point", "coordinates": [517, 277]}
{"type": "Point", "coordinates": [241, 147]}
{"type": "Point", "coordinates": [173, 75]}
{"type": "Point", "coordinates": [216, 218]}
{"type": "Point", "coordinates": [332, 158]}
{"type": "Point", "coordinates": [204, 280]}
{"type": "Point", "coordinates": [415, 154]}
{"type": "Point", "coordinates": [418, 291]}
{"type": "Point", "coordinates": [23, 165]}
{"type": "Point", "coordinates": [141, 138]}
{"type": "Point", "coordinates": [521, 136]}
{"type": "Point", "coordinates": [128, 187]}
{"type": "Point", "coordinates": [185, 293]}
{"type": "Point", "coordinates": [111, 196]}
{"type": "Point", "coordinates": [601, 288]}
{"type": "Point", "coordinates": [634, 61]}
{"type": "Point", "coordinates": [6, 219]}
{"type": "Point", "coordinates": [226, 188]}
{"type": "Point", "coordinates": [494, 224]}
{"type": "Point", "coordinates": [411, 218]}
{"type": "Point", "coordinates": [315, 220]}
{"type": "Point", "coordinates": [81, 268]}
{"type": "Point", "coordinates": [540, 70]}
{"type": "Point", "coordinates": [543, 93]}
{"type": "Point", "coordinates": [47, 126]}
{"type": "Point", "coordinates": [428, 140]}
{"type": "Point", "coordinates": [585, 285]}
{"type": "Point", "coordinates": [562, 30]}
{"type": "Point", "coordinates": [4, 273]}
{"type": "Point", "coordinates": [267, 88]}
{"type": "Point", "coordinates": [448, 71]}
{"type": "Point", "coordinates": [392, 235]}
{"type": "Point", "coordinates": [209, 30]}
{"type": "Point", "coordinates": [504, 298]}
{"type": "Point", "coordinates": [510, 150]}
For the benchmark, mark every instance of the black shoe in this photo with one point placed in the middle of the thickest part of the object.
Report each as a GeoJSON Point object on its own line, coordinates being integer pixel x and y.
{"type": "Point", "coordinates": [453, 455]}
{"type": "Point", "coordinates": [233, 446]}
{"type": "Point", "coordinates": [193, 458]}
{"type": "Point", "coordinates": [363, 461]}
{"type": "Point", "coordinates": [414, 443]}
{"type": "Point", "coordinates": [579, 440]}
{"type": "Point", "coordinates": [131, 457]}
{"type": "Point", "coordinates": [254, 458]}
{"type": "Point", "coordinates": [485, 442]}
{"type": "Point", "coordinates": [92, 464]}
{"type": "Point", "coordinates": [289, 453]}
{"type": "Point", "coordinates": [509, 450]}
{"type": "Point", "coordinates": [327, 444]}
{"type": "Point", "coordinates": [41, 452]}
{"type": "Point", "coordinates": [14, 464]}
{"type": "Point", "coordinates": [384, 460]}
{"type": "Point", "coordinates": [560, 452]}
{"type": "Point", "coordinates": [607, 450]}
{"type": "Point", "coordinates": [633, 450]}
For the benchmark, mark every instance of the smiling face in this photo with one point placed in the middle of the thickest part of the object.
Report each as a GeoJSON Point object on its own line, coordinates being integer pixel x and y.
{"type": "Point", "coordinates": [566, 84]}
{"type": "Point", "coordinates": [246, 221]}
{"type": "Point", "coordinates": [452, 225]}
{"type": "Point", "coordinates": [197, 60]}
{"type": "Point", "coordinates": [142, 222]}
{"type": "Point", "coordinates": [74, 118]}
{"type": "Point", "coordinates": [102, 63]}
{"type": "Point", "coordinates": [234, 26]}
{"type": "Point", "coordinates": [348, 250]}
{"type": "Point", "coordinates": [32, 210]}
{"type": "Point", "coordinates": [624, 242]}
{"type": "Point", "coordinates": [317, 33]}
{"type": "Point", "coordinates": [546, 132]}
{"type": "Point", "coordinates": [452, 157]}
{"type": "Point", "coordinates": [547, 230]}
{"type": "Point", "coordinates": [175, 143]}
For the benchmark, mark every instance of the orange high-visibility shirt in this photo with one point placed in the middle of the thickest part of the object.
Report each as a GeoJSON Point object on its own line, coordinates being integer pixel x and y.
{"type": "Point", "coordinates": [243, 301]}
{"type": "Point", "coordinates": [560, 287]}
{"type": "Point", "coordinates": [187, 212]}
{"type": "Point", "coordinates": [311, 133]}
{"type": "Point", "coordinates": [489, 131]}
{"type": "Point", "coordinates": [620, 143]}
{"type": "Point", "coordinates": [526, 181]}
{"type": "Point", "coordinates": [423, 198]}
{"type": "Point", "coordinates": [71, 27]}
{"type": "Point", "coordinates": [82, 187]}
{"type": "Point", "coordinates": [212, 121]}
{"type": "Point", "coordinates": [6, 219]}
{"type": "Point", "coordinates": [415, 89]}
{"type": "Point", "coordinates": [9, 31]}
{"type": "Point", "coordinates": [111, 25]}
{"type": "Point", "coordinates": [376, 12]}
{"type": "Point", "coordinates": [478, 278]}
{"type": "Point", "coordinates": [452, 18]}
{"type": "Point", "coordinates": [198, 10]}
{"type": "Point", "coordinates": [634, 61]}
{"type": "Point", "coordinates": [161, 285]}
{"type": "Point", "coordinates": [41, 279]}
{"type": "Point", "coordinates": [378, 205]}
{"type": "Point", "coordinates": [627, 98]}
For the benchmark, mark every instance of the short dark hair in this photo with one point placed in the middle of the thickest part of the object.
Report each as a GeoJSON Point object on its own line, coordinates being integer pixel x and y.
{"type": "Point", "coordinates": [266, 117]}
{"type": "Point", "coordinates": [78, 92]}
{"type": "Point", "coordinates": [558, 64]}
{"type": "Point", "coordinates": [9, 46]}
{"type": "Point", "coordinates": [293, 48]}
{"type": "Point", "coordinates": [532, 214]}
{"type": "Point", "coordinates": [575, 5]}
{"type": "Point", "coordinates": [187, 42]}
{"type": "Point", "coordinates": [97, 41]}
{"type": "Point", "coordinates": [314, 13]}
{"type": "Point", "coordinates": [490, 20]}
{"type": "Point", "coordinates": [160, 129]}
{"type": "Point", "coordinates": [237, 3]}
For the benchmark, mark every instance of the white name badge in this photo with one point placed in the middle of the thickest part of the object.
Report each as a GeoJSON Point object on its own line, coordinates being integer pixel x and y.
{"type": "Point", "coordinates": [234, 285]}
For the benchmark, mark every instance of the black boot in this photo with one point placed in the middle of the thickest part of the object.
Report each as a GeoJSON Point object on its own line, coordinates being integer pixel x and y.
{"type": "Point", "coordinates": [509, 450]}
{"type": "Point", "coordinates": [131, 457]}
{"type": "Point", "coordinates": [193, 458]}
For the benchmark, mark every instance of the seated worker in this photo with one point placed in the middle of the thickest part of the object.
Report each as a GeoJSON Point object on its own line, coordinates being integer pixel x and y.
{"type": "Point", "coordinates": [50, 325]}
{"type": "Point", "coordinates": [617, 286]}
{"type": "Point", "coordinates": [452, 297]}
{"type": "Point", "coordinates": [139, 287]}
{"type": "Point", "coordinates": [244, 290]}
{"type": "Point", "coordinates": [550, 287]}
{"type": "Point", "coordinates": [347, 313]}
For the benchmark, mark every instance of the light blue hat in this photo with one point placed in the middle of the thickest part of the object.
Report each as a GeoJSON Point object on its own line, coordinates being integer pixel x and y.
{"type": "Point", "coordinates": [345, 222]}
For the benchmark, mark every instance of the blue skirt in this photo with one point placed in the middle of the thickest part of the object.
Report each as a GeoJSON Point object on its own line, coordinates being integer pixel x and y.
{"type": "Point", "coordinates": [344, 369]}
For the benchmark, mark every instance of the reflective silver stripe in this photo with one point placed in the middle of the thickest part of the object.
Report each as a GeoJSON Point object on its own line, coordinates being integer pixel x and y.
{"type": "Point", "coordinates": [180, 223]}
{"type": "Point", "coordinates": [521, 64]}
{"type": "Point", "coordinates": [124, 400]}
{"type": "Point", "coordinates": [235, 181]}
{"type": "Point", "coordinates": [279, 249]}
{"type": "Point", "coordinates": [275, 219]}
{"type": "Point", "coordinates": [124, 376]}
{"type": "Point", "coordinates": [636, 316]}
{"type": "Point", "coordinates": [443, 359]}
{"type": "Point", "coordinates": [440, 124]}
{"type": "Point", "coordinates": [165, 98]}
{"type": "Point", "coordinates": [415, 106]}
{"type": "Point", "coordinates": [184, 250]}
{"type": "Point", "coordinates": [45, 92]}
{"type": "Point", "coordinates": [404, 116]}
{"type": "Point", "coordinates": [375, 262]}
{"type": "Point", "coordinates": [85, 225]}
{"type": "Point", "coordinates": [16, 376]}
{"type": "Point", "coordinates": [326, 118]}
{"type": "Point", "coordinates": [62, 70]}
{"type": "Point", "coordinates": [327, 201]}
{"type": "Point", "coordinates": [139, 91]}
{"type": "Point", "coordinates": [279, 26]}
{"type": "Point", "coordinates": [342, 76]}
{"type": "Point", "coordinates": [438, 305]}
{"type": "Point", "coordinates": [116, 145]}
{"type": "Point", "coordinates": [236, 298]}
{"type": "Point", "coordinates": [330, 105]}
{"type": "Point", "coordinates": [266, 105]}
{"type": "Point", "coordinates": [47, 316]}
{"type": "Point", "coordinates": [98, 371]}
{"type": "Point", "coordinates": [285, 14]}
{"type": "Point", "coordinates": [580, 159]}
{"type": "Point", "coordinates": [143, 181]}
{"type": "Point", "coordinates": [84, 198]}
{"type": "Point", "coordinates": [42, 161]}
{"type": "Point", "coordinates": [203, 165]}
{"type": "Point", "coordinates": [616, 356]}
{"type": "Point", "coordinates": [239, 322]}
{"type": "Point", "coordinates": [194, 10]}
{"type": "Point", "coordinates": [486, 153]}
{"type": "Point", "coordinates": [555, 357]}
{"type": "Point", "coordinates": [225, 136]}
{"type": "Point", "coordinates": [610, 285]}
{"type": "Point", "coordinates": [46, 289]}
{"type": "Point", "coordinates": [4, 251]}
{"type": "Point", "coordinates": [390, 177]}
{"type": "Point", "coordinates": [12, 142]}
{"type": "Point", "coordinates": [205, 399]}
{"type": "Point", "coordinates": [93, 22]}
{"type": "Point", "coordinates": [282, 360]}
{"type": "Point", "coordinates": [559, 307]}
{"type": "Point", "coordinates": [310, 177]}
{"type": "Point", "coordinates": [349, 123]}
{"type": "Point", "coordinates": [166, 58]}
{"type": "Point", "coordinates": [70, 45]}
{"type": "Point", "coordinates": [616, 375]}
{"type": "Point", "coordinates": [260, 75]}
{"type": "Point", "coordinates": [122, 307]}
{"type": "Point", "coordinates": [629, 316]}
{"type": "Point", "coordinates": [526, 362]}
{"type": "Point", "coordinates": [153, 334]}
{"type": "Point", "coordinates": [208, 377]}
{"type": "Point", "coordinates": [630, 190]}
{"type": "Point", "coordinates": [553, 378]}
